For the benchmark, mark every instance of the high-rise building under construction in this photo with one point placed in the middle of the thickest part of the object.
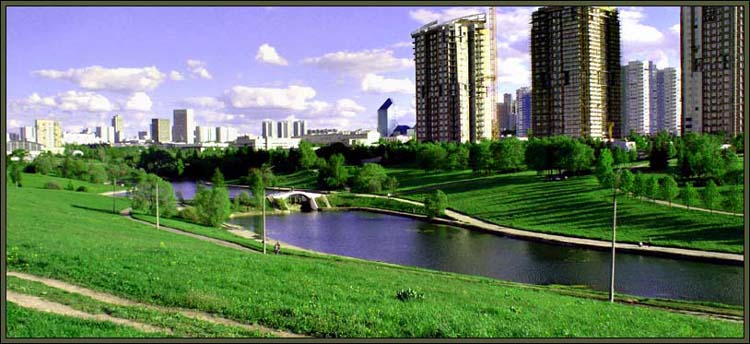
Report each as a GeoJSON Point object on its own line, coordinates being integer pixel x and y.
{"type": "Point", "coordinates": [455, 79]}
{"type": "Point", "coordinates": [575, 72]}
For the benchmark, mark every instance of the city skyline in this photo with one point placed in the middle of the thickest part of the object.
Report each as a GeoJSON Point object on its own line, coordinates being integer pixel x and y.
{"type": "Point", "coordinates": [338, 80]}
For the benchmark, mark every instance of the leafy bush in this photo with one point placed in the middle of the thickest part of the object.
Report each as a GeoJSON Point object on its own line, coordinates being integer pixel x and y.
{"type": "Point", "coordinates": [409, 294]}
{"type": "Point", "coordinates": [189, 214]}
{"type": "Point", "coordinates": [435, 204]}
{"type": "Point", "coordinates": [82, 188]}
{"type": "Point", "coordinates": [52, 186]}
{"type": "Point", "coordinates": [70, 186]}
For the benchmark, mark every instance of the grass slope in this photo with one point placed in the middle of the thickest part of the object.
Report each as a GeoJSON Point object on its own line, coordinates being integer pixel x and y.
{"type": "Point", "coordinates": [28, 323]}
{"type": "Point", "coordinates": [35, 180]}
{"type": "Point", "coordinates": [79, 241]}
{"type": "Point", "coordinates": [578, 207]}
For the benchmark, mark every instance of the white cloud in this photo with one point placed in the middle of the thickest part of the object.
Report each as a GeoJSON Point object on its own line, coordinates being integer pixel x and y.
{"type": "Point", "coordinates": [205, 102]}
{"type": "Point", "coordinates": [675, 29]}
{"type": "Point", "coordinates": [112, 79]}
{"type": "Point", "coordinates": [634, 31]}
{"type": "Point", "coordinates": [139, 101]}
{"type": "Point", "coordinates": [198, 69]}
{"type": "Point", "coordinates": [175, 75]}
{"type": "Point", "coordinates": [348, 108]}
{"type": "Point", "coordinates": [70, 101]}
{"type": "Point", "coordinates": [424, 16]}
{"type": "Point", "coordinates": [291, 98]}
{"type": "Point", "coordinates": [359, 63]}
{"type": "Point", "coordinates": [514, 70]}
{"type": "Point", "coordinates": [268, 54]}
{"type": "Point", "coordinates": [513, 24]}
{"type": "Point", "coordinates": [373, 83]}
{"type": "Point", "coordinates": [404, 44]}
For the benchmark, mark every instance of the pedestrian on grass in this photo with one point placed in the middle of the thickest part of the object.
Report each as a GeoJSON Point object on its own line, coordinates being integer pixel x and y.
{"type": "Point", "coordinates": [277, 248]}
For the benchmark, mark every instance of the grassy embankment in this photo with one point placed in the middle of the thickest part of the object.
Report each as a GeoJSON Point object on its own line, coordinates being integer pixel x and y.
{"type": "Point", "coordinates": [79, 241]}
{"type": "Point", "coordinates": [180, 325]}
{"type": "Point", "coordinates": [28, 323]}
{"type": "Point", "coordinates": [575, 207]}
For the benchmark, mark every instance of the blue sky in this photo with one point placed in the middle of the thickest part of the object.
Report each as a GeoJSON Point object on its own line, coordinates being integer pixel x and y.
{"type": "Point", "coordinates": [333, 66]}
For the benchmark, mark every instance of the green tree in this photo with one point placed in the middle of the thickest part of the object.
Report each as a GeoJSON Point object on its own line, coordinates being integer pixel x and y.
{"type": "Point", "coordinates": [661, 151]}
{"type": "Point", "coordinates": [457, 157]}
{"type": "Point", "coordinates": [254, 181]}
{"type": "Point", "coordinates": [431, 157]}
{"type": "Point", "coordinates": [369, 178]}
{"type": "Point", "coordinates": [44, 164]}
{"type": "Point", "coordinates": [700, 156]}
{"type": "Point", "coordinates": [144, 195]}
{"type": "Point", "coordinates": [480, 157]}
{"type": "Point", "coordinates": [639, 186]}
{"type": "Point", "coordinates": [669, 189]}
{"type": "Point", "coordinates": [334, 175]}
{"type": "Point", "coordinates": [213, 205]}
{"type": "Point", "coordinates": [620, 156]}
{"type": "Point", "coordinates": [391, 184]}
{"type": "Point", "coordinates": [508, 154]}
{"type": "Point", "coordinates": [574, 156]}
{"type": "Point", "coordinates": [711, 195]}
{"type": "Point", "coordinates": [688, 195]}
{"type": "Point", "coordinates": [308, 158]}
{"type": "Point", "coordinates": [627, 181]}
{"type": "Point", "coordinates": [15, 170]}
{"type": "Point", "coordinates": [652, 188]}
{"type": "Point", "coordinates": [435, 204]}
{"type": "Point", "coordinates": [244, 199]}
{"type": "Point", "coordinates": [604, 172]}
{"type": "Point", "coordinates": [733, 200]}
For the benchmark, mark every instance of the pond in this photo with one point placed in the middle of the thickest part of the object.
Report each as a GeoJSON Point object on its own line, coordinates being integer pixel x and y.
{"type": "Point", "coordinates": [408, 241]}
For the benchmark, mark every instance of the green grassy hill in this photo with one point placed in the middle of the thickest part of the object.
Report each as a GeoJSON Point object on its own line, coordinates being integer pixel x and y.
{"type": "Point", "coordinates": [78, 240]}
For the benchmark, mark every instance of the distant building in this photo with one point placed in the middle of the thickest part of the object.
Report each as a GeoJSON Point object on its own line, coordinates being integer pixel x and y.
{"type": "Point", "coordinates": [349, 138]}
{"type": "Point", "coordinates": [205, 134]}
{"type": "Point", "coordinates": [13, 137]}
{"type": "Point", "coordinates": [160, 130]}
{"type": "Point", "coordinates": [33, 148]}
{"type": "Point", "coordinates": [455, 79]}
{"type": "Point", "coordinates": [322, 131]}
{"type": "Point", "coordinates": [300, 128]}
{"type": "Point", "coordinates": [283, 129]}
{"type": "Point", "coordinates": [713, 69]}
{"type": "Point", "coordinates": [117, 123]}
{"type": "Point", "coordinates": [636, 97]}
{"type": "Point", "coordinates": [269, 129]}
{"type": "Point", "coordinates": [28, 134]}
{"type": "Point", "coordinates": [668, 101]}
{"type": "Point", "coordinates": [523, 111]}
{"type": "Point", "coordinates": [383, 124]}
{"type": "Point", "coordinates": [184, 126]}
{"type": "Point", "coordinates": [143, 135]}
{"type": "Point", "coordinates": [506, 119]}
{"type": "Point", "coordinates": [575, 71]}
{"type": "Point", "coordinates": [48, 133]}
{"type": "Point", "coordinates": [267, 143]}
{"type": "Point", "coordinates": [105, 134]}
{"type": "Point", "coordinates": [226, 134]}
{"type": "Point", "coordinates": [80, 138]}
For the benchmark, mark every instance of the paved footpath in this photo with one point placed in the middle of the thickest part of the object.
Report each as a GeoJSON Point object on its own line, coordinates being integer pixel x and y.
{"type": "Point", "coordinates": [560, 239]}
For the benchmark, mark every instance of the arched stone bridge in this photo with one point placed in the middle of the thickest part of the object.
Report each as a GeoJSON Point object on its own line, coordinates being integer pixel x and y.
{"type": "Point", "coordinates": [297, 196]}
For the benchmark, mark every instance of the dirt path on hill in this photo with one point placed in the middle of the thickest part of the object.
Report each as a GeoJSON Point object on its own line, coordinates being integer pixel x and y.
{"type": "Point", "coordinates": [115, 300]}
{"type": "Point", "coordinates": [39, 304]}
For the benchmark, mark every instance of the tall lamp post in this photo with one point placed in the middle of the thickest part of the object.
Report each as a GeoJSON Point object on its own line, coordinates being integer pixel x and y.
{"type": "Point", "coordinates": [264, 219]}
{"type": "Point", "coordinates": [614, 234]}
{"type": "Point", "coordinates": [157, 205]}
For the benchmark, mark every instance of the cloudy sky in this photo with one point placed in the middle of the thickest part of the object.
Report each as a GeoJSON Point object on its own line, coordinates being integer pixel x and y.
{"type": "Point", "coordinates": [239, 65]}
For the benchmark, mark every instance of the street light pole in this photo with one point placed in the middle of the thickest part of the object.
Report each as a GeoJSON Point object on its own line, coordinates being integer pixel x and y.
{"type": "Point", "coordinates": [614, 229]}
{"type": "Point", "coordinates": [114, 183]}
{"type": "Point", "coordinates": [157, 205]}
{"type": "Point", "coordinates": [264, 220]}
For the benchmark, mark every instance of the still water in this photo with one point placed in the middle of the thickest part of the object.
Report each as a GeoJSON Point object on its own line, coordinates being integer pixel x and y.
{"type": "Point", "coordinates": [413, 242]}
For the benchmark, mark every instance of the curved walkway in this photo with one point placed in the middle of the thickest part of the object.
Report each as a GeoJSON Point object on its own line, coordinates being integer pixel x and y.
{"type": "Point", "coordinates": [561, 239]}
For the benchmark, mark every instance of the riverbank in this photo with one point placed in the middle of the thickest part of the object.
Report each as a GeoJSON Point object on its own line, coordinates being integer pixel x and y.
{"type": "Point", "coordinates": [468, 222]}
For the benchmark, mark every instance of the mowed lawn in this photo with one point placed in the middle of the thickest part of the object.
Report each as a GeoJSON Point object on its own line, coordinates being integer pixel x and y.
{"type": "Point", "coordinates": [579, 207]}
{"type": "Point", "coordinates": [77, 240]}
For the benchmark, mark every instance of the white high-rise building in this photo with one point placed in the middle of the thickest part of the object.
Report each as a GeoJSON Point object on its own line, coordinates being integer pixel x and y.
{"type": "Point", "coordinates": [183, 128]}
{"type": "Point", "coordinates": [523, 111]}
{"type": "Point", "coordinates": [106, 134]}
{"type": "Point", "coordinates": [48, 133]}
{"type": "Point", "coordinates": [667, 100]}
{"type": "Point", "coordinates": [205, 134]}
{"type": "Point", "coordinates": [636, 98]}
{"type": "Point", "coordinates": [284, 129]}
{"type": "Point", "coordinates": [117, 123]}
{"type": "Point", "coordinates": [28, 134]}
{"type": "Point", "coordinates": [226, 134]}
{"type": "Point", "coordinates": [300, 128]}
{"type": "Point", "coordinates": [269, 129]}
